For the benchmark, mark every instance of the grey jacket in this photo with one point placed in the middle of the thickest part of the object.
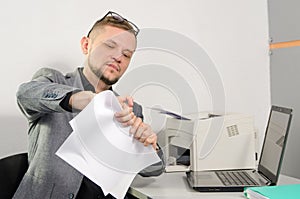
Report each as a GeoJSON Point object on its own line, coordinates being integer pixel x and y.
{"type": "Point", "coordinates": [48, 176]}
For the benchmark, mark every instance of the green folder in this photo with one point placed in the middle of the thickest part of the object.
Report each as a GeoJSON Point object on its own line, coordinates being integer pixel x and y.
{"type": "Point", "coordinates": [291, 191]}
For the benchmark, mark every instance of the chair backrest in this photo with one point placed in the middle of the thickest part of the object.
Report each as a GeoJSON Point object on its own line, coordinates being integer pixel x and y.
{"type": "Point", "coordinates": [12, 170]}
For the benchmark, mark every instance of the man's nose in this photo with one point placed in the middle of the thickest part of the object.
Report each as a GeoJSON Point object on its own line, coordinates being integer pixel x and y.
{"type": "Point", "coordinates": [117, 56]}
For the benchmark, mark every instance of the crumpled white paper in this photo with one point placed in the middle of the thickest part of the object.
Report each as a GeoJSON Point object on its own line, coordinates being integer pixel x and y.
{"type": "Point", "coordinates": [104, 151]}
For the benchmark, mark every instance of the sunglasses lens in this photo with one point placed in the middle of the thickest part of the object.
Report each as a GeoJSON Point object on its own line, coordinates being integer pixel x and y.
{"type": "Point", "coordinates": [118, 18]}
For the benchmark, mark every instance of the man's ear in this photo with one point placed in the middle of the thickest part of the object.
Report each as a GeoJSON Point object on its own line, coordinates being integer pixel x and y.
{"type": "Point", "coordinates": [85, 44]}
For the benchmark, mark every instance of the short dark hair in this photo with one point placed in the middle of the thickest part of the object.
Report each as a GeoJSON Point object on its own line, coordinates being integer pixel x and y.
{"type": "Point", "coordinates": [115, 20]}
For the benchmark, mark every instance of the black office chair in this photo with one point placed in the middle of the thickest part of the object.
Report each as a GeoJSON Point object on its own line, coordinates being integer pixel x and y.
{"type": "Point", "coordinates": [12, 170]}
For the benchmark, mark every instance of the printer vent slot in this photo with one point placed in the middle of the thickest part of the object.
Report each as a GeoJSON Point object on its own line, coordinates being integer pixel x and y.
{"type": "Point", "coordinates": [232, 130]}
{"type": "Point", "coordinates": [280, 141]}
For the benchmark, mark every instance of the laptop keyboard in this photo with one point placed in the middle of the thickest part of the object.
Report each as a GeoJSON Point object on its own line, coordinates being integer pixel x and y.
{"type": "Point", "coordinates": [235, 178]}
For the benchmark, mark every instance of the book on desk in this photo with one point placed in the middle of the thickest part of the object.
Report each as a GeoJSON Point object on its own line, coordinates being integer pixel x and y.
{"type": "Point", "coordinates": [291, 191]}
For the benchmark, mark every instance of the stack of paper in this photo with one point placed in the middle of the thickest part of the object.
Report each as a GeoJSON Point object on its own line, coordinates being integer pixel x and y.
{"type": "Point", "coordinates": [104, 151]}
{"type": "Point", "coordinates": [273, 192]}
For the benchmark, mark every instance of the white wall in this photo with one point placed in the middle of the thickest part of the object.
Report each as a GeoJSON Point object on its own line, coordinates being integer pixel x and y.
{"type": "Point", "coordinates": [231, 36]}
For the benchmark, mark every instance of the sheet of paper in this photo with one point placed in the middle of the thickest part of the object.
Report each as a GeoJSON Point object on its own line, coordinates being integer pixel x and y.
{"type": "Point", "coordinates": [104, 151]}
{"type": "Point", "coordinates": [172, 114]}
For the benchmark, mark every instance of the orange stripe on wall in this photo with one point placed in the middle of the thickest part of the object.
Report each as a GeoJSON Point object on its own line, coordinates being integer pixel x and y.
{"type": "Point", "coordinates": [285, 44]}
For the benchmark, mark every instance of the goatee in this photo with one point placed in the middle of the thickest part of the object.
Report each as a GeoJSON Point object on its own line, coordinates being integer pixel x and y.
{"type": "Point", "coordinates": [100, 75]}
{"type": "Point", "coordinates": [108, 81]}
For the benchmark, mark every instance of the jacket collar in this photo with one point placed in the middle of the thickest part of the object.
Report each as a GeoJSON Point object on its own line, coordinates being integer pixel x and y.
{"type": "Point", "coordinates": [80, 80]}
{"type": "Point", "coordinates": [75, 78]}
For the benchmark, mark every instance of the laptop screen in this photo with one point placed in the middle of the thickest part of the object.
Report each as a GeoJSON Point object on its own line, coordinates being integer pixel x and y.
{"type": "Point", "coordinates": [274, 142]}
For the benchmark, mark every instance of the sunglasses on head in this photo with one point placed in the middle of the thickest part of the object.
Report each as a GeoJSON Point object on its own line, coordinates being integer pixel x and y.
{"type": "Point", "coordinates": [114, 17]}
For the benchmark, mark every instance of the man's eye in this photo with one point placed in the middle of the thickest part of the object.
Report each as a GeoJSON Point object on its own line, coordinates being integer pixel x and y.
{"type": "Point", "coordinates": [127, 55]}
{"type": "Point", "coordinates": [109, 45]}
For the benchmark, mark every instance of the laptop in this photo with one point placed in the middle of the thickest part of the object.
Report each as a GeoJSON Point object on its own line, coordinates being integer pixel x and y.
{"type": "Point", "coordinates": [269, 164]}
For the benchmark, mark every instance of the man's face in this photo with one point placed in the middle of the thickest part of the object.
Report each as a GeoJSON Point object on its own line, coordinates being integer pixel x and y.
{"type": "Point", "coordinates": [110, 53]}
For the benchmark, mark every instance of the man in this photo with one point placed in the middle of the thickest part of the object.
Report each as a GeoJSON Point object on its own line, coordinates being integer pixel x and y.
{"type": "Point", "coordinates": [52, 99]}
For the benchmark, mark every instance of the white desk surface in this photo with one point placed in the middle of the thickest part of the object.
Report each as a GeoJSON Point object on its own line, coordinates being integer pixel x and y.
{"type": "Point", "coordinates": [175, 186]}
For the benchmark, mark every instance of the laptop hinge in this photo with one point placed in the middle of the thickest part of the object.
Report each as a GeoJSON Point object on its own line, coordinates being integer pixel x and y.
{"type": "Point", "coordinates": [267, 181]}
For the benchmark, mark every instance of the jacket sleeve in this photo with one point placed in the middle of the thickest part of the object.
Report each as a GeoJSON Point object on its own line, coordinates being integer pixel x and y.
{"type": "Point", "coordinates": [42, 94]}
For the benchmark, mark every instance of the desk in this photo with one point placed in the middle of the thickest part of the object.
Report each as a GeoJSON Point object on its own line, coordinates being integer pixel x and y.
{"type": "Point", "coordinates": [175, 186]}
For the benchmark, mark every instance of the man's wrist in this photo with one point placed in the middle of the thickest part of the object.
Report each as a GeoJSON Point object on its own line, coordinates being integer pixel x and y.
{"type": "Point", "coordinates": [65, 102]}
{"type": "Point", "coordinates": [157, 148]}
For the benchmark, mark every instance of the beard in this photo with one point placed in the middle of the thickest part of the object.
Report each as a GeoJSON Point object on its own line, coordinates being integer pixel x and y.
{"type": "Point", "coordinates": [108, 81]}
{"type": "Point", "coordinates": [101, 76]}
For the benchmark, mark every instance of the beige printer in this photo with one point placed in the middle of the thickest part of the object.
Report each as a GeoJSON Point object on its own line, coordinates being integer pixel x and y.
{"type": "Point", "coordinates": [214, 142]}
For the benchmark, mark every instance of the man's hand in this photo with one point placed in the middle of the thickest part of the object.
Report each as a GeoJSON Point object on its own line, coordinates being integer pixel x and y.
{"type": "Point", "coordinates": [126, 116]}
{"type": "Point", "coordinates": [139, 129]}
{"type": "Point", "coordinates": [143, 132]}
